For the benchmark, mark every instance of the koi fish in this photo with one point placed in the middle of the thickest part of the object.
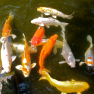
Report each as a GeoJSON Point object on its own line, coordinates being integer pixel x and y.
{"type": "Point", "coordinates": [53, 12]}
{"type": "Point", "coordinates": [66, 86]}
{"type": "Point", "coordinates": [67, 53]}
{"type": "Point", "coordinates": [89, 58]}
{"type": "Point", "coordinates": [20, 48]}
{"type": "Point", "coordinates": [37, 38]}
{"type": "Point", "coordinates": [6, 57]}
{"type": "Point", "coordinates": [48, 21]}
{"type": "Point", "coordinates": [7, 27]}
{"type": "Point", "coordinates": [46, 49]}
{"type": "Point", "coordinates": [26, 61]}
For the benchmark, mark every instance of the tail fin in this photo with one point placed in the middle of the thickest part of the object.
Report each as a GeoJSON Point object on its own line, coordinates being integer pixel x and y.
{"type": "Point", "coordinates": [45, 75]}
{"type": "Point", "coordinates": [11, 16]}
{"type": "Point", "coordinates": [89, 39]}
{"type": "Point", "coordinates": [70, 16]}
{"type": "Point", "coordinates": [24, 38]}
{"type": "Point", "coordinates": [40, 70]}
{"type": "Point", "coordinates": [63, 25]}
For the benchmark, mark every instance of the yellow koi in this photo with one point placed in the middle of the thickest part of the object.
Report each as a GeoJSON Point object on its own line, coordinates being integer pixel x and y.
{"type": "Point", "coordinates": [66, 86]}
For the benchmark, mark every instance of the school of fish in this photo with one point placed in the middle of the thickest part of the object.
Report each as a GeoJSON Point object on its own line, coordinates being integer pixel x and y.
{"type": "Point", "coordinates": [39, 39]}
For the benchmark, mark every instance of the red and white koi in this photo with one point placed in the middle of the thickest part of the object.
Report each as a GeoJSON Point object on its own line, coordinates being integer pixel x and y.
{"type": "Point", "coordinates": [48, 21]}
{"type": "Point", "coordinates": [7, 27]}
{"type": "Point", "coordinates": [89, 54]}
{"type": "Point", "coordinates": [46, 49]}
{"type": "Point", "coordinates": [53, 12]}
{"type": "Point", "coordinates": [67, 54]}
{"type": "Point", "coordinates": [26, 61]}
{"type": "Point", "coordinates": [6, 57]}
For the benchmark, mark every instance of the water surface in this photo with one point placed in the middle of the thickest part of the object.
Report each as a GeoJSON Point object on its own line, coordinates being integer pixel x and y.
{"type": "Point", "coordinates": [76, 32]}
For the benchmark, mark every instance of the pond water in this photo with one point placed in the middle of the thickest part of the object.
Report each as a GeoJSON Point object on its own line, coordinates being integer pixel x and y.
{"type": "Point", "coordinates": [76, 32]}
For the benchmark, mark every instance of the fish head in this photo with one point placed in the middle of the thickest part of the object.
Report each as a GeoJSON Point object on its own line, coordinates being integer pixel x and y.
{"type": "Point", "coordinates": [26, 72]}
{"type": "Point", "coordinates": [71, 61]}
{"type": "Point", "coordinates": [86, 86]}
{"type": "Point", "coordinates": [35, 21]}
{"type": "Point", "coordinates": [40, 9]}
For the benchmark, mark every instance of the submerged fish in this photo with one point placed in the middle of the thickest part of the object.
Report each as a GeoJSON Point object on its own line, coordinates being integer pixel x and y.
{"type": "Point", "coordinates": [89, 54]}
{"type": "Point", "coordinates": [20, 48]}
{"type": "Point", "coordinates": [66, 86]}
{"type": "Point", "coordinates": [67, 53]}
{"type": "Point", "coordinates": [7, 27]}
{"type": "Point", "coordinates": [53, 12]}
{"type": "Point", "coordinates": [26, 62]}
{"type": "Point", "coordinates": [37, 38]}
{"type": "Point", "coordinates": [48, 21]}
{"type": "Point", "coordinates": [6, 57]}
{"type": "Point", "coordinates": [46, 49]}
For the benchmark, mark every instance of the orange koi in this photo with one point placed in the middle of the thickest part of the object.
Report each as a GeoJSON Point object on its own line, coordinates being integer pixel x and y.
{"type": "Point", "coordinates": [26, 62]}
{"type": "Point", "coordinates": [7, 27]}
{"type": "Point", "coordinates": [37, 38]}
{"type": "Point", "coordinates": [46, 49]}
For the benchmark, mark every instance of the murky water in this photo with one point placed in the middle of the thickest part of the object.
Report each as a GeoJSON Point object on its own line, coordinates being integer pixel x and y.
{"type": "Point", "coordinates": [76, 32]}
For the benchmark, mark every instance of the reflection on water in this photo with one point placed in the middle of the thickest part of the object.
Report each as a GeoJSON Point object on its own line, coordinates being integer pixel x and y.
{"type": "Point", "coordinates": [79, 27]}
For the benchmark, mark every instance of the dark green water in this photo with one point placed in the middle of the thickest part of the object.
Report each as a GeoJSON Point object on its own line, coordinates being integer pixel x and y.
{"type": "Point", "coordinates": [79, 27]}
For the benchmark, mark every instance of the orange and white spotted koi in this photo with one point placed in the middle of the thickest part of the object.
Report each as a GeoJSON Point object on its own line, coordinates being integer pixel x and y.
{"type": "Point", "coordinates": [26, 61]}
{"type": "Point", "coordinates": [53, 12]}
{"type": "Point", "coordinates": [89, 54]}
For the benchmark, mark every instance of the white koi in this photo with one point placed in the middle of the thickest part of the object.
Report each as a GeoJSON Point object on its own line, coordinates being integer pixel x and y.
{"type": "Point", "coordinates": [48, 21]}
{"type": "Point", "coordinates": [67, 54]}
{"type": "Point", "coordinates": [53, 12]}
{"type": "Point", "coordinates": [6, 57]}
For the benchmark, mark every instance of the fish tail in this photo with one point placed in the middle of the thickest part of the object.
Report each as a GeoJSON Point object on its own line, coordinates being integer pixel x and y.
{"type": "Point", "coordinates": [43, 69]}
{"type": "Point", "coordinates": [11, 16]}
{"type": "Point", "coordinates": [24, 37]}
{"type": "Point", "coordinates": [45, 75]}
{"type": "Point", "coordinates": [89, 39]}
{"type": "Point", "coordinates": [70, 16]}
{"type": "Point", "coordinates": [63, 25]}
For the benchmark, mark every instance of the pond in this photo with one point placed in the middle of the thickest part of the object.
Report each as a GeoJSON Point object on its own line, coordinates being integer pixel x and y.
{"type": "Point", "coordinates": [76, 32]}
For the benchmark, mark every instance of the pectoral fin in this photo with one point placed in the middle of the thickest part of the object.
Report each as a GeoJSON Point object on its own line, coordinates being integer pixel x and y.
{"type": "Point", "coordinates": [13, 36]}
{"type": "Point", "coordinates": [42, 78]}
{"type": "Point", "coordinates": [44, 40]}
{"type": "Point", "coordinates": [13, 58]}
{"type": "Point", "coordinates": [46, 13]}
{"type": "Point", "coordinates": [19, 67]}
{"type": "Point", "coordinates": [77, 60]}
{"type": "Point", "coordinates": [33, 65]}
{"type": "Point", "coordinates": [62, 62]}
{"type": "Point", "coordinates": [42, 24]}
{"type": "Point", "coordinates": [81, 63]}
{"type": "Point", "coordinates": [54, 16]}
